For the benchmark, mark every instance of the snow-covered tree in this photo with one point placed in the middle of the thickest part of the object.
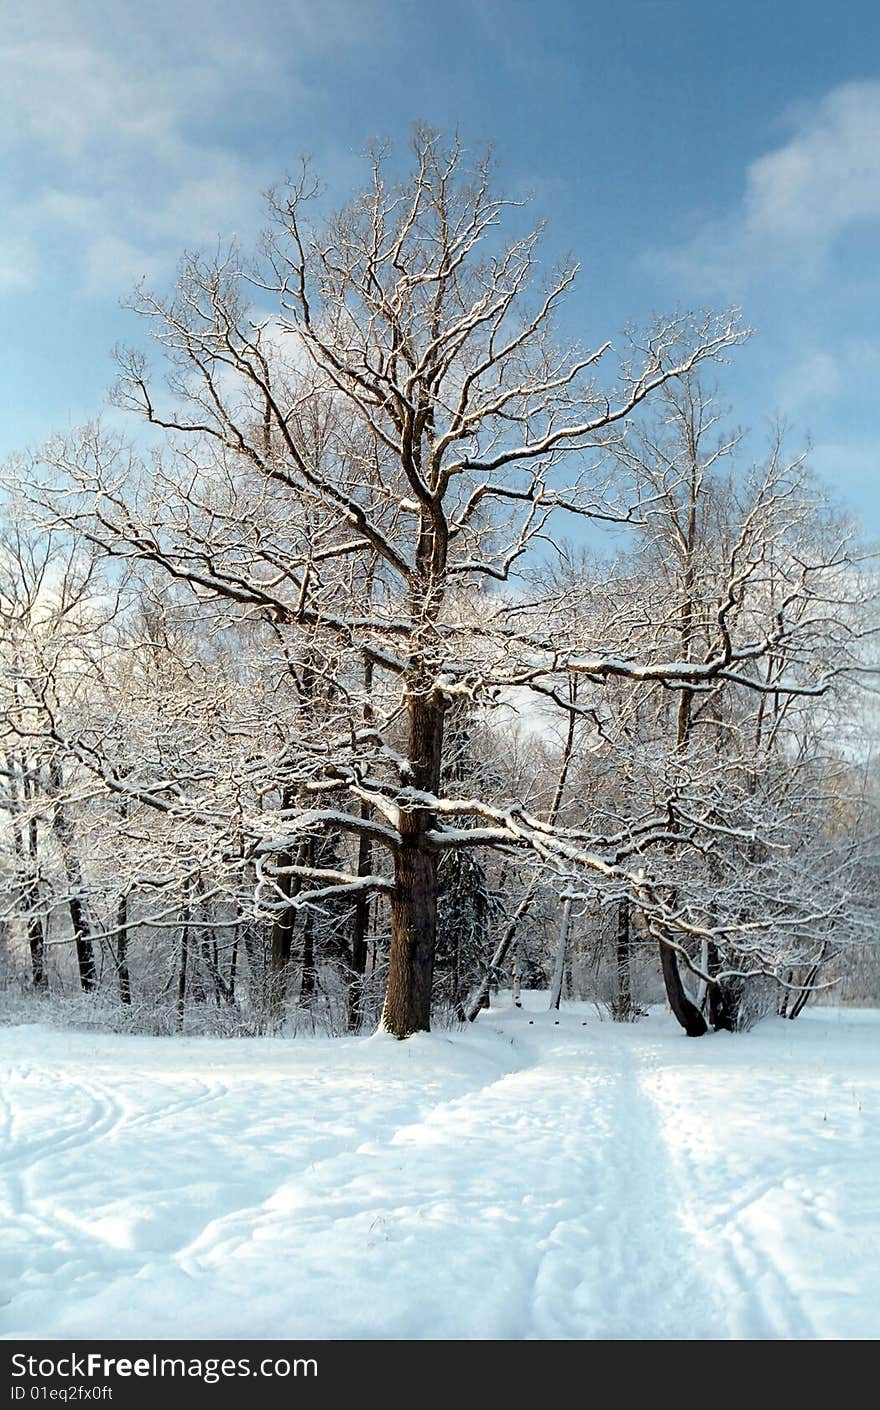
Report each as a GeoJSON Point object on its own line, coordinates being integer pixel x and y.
{"type": "Point", "coordinates": [369, 434]}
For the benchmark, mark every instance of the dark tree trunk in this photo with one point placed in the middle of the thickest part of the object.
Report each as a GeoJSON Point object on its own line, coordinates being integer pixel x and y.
{"type": "Point", "coordinates": [122, 974]}
{"type": "Point", "coordinates": [281, 943]}
{"type": "Point", "coordinates": [360, 930]}
{"type": "Point", "coordinates": [407, 1007]}
{"type": "Point", "coordinates": [800, 1002]}
{"type": "Point", "coordinates": [457, 996]}
{"type": "Point", "coordinates": [687, 1013]}
{"type": "Point", "coordinates": [76, 904]}
{"type": "Point", "coordinates": [85, 950]}
{"type": "Point", "coordinates": [208, 946]}
{"type": "Point", "coordinates": [233, 966]}
{"type": "Point", "coordinates": [181, 973]}
{"type": "Point", "coordinates": [556, 983]}
{"type": "Point", "coordinates": [623, 1004]}
{"type": "Point", "coordinates": [123, 978]}
{"type": "Point", "coordinates": [722, 1004]}
{"type": "Point", "coordinates": [209, 960]}
{"type": "Point", "coordinates": [35, 928]}
{"type": "Point", "coordinates": [480, 999]}
{"type": "Point", "coordinates": [308, 979]}
{"type": "Point", "coordinates": [256, 958]}
{"type": "Point", "coordinates": [803, 997]}
{"type": "Point", "coordinates": [28, 861]}
{"type": "Point", "coordinates": [37, 946]}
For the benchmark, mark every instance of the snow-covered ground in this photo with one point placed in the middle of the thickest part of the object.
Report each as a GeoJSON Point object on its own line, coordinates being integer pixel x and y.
{"type": "Point", "coordinates": [518, 1180]}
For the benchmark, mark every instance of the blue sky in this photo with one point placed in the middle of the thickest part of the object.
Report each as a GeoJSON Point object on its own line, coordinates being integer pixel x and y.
{"type": "Point", "coordinates": [688, 153]}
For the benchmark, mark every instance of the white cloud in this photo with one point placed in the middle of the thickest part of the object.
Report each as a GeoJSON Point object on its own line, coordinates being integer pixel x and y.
{"type": "Point", "coordinates": [844, 372]}
{"type": "Point", "coordinates": [825, 179]}
{"type": "Point", "coordinates": [798, 199]}
{"type": "Point", "coordinates": [111, 129]}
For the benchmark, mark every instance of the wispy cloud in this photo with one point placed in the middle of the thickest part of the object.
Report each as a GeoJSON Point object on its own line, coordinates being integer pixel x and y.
{"type": "Point", "coordinates": [822, 379]}
{"type": "Point", "coordinates": [797, 200]}
{"type": "Point", "coordinates": [851, 466]}
{"type": "Point", "coordinates": [825, 179]}
{"type": "Point", "coordinates": [815, 379]}
{"type": "Point", "coordinates": [112, 131]}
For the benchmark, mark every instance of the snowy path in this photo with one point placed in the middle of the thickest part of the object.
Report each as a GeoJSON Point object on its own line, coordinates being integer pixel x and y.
{"type": "Point", "coordinates": [518, 1180]}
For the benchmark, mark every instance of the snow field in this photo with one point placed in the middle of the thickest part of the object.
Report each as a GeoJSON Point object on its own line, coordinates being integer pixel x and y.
{"type": "Point", "coordinates": [521, 1179]}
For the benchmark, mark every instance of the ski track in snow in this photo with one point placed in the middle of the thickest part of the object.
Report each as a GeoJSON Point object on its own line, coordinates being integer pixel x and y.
{"type": "Point", "coordinates": [520, 1180]}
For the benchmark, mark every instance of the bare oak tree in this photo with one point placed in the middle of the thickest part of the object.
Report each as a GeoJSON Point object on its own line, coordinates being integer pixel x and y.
{"type": "Point", "coordinates": [368, 432]}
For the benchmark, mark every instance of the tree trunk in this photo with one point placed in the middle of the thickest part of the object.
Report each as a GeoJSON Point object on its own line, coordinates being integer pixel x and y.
{"type": "Point", "coordinates": [82, 931]}
{"type": "Point", "coordinates": [361, 920]}
{"type": "Point", "coordinates": [457, 997]}
{"type": "Point", "coordinates": [28, 863]}
{"type": "Point", "coordinates": [479, 1000]}
{"type": "Point", "coordinates": [359, 932]}
{"type": "Point", "coordinates": [122, 974]}
{"type": "Point", "coordinates": [688, 1015]}
{"type": "Point", "coordinates": [407, 1007]}
{"type": "Point", "coordinates": [282, 937]}
{"type": "Point", "coordinates": [233, 965]}
{"type": "Point", "coordinates": [256, 958]}
{"type": "Point", "coordinates": [702, 994]}
{"type": "Point", "coordinates": [308, 979]}
{"type": "Point", "coordinates": [207, 949]}
{"type": "Point", "coordinates": [181, 974]}
{"type": "Point", "coordinates": [37, 947]}
{"type": "Point", "coordinates": [803, 997]}
{"type": "Point", "coordinates": [623, 1008]}
{"type": "Point", "coordinates": [722, 1002]}
{"type": "Point", "coordinates": [76, 904]}
{"type": "Point", "coordinates": [561, 950]}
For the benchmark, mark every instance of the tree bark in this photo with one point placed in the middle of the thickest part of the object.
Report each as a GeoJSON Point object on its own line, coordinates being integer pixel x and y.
{"type": "Point", "coordinates": [479, 1000]}
{"type": "Point", "coordinates": [687, 1013]}
{"type": "Point", "coordinates": [623, 1005]}
{"type": "Point", "coordinates": [561, 950]}
{"type": "Point", "coordinates": [359, 933]}
{"type": "Point", "coordinates": [722, 1007]}
{"type": "Point", "coordinates": [181, 974]}
{"type": "Point", "coordinates": [308, 977]}
{"type": "Point", "coordinates": [407, 1007]}
{"type": "Point", "coordinates": [76, 904]}
{"type": "Point", "coordinates": [233, 966]}
{"type": "Point", "coordinates": [28, 862]}
{"type": "Point", "coordinates": [256, 958]}
{"type": "Point", "coordinates": [803, 997]}
{"type": "Point", "coordinates": [82, 931]}
{"type": "Point", "coordinates": [282, 935]}
{"type": "Point", "coordinates": [122, 974]}
{"type": "Point", "coordinates": [37, 947]}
